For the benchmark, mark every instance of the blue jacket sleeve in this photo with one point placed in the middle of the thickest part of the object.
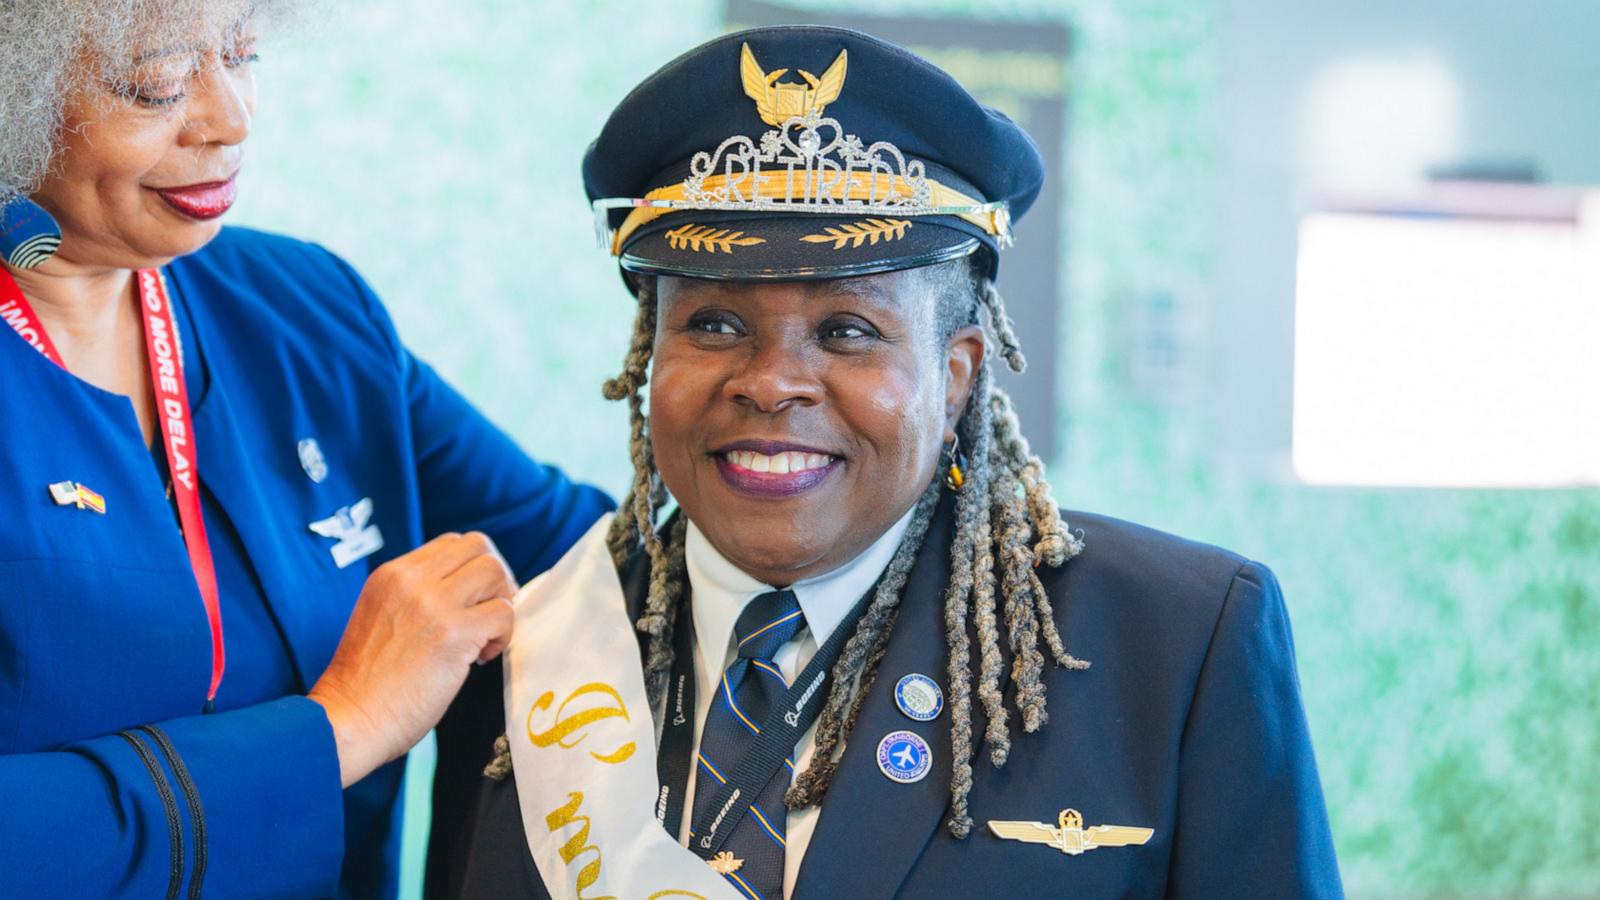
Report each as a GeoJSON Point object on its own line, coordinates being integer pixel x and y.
{"type": "Point", "coordinates": [1251, 819]}
{"type": "Point", "coordinates": [243, 803]}
{"type": "Point", "coordinates": [471, 476]}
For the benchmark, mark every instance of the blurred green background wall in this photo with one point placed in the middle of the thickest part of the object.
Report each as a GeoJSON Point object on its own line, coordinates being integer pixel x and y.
{"type": "Point", "coordinates": [1449, 640]}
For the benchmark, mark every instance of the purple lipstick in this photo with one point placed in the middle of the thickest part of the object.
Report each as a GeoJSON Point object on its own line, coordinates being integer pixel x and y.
{"type": "Point", "coordinates": [773, 469]}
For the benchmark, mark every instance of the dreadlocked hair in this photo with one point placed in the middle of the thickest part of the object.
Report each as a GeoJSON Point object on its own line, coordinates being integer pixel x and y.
{"type": "Point", "coordinates": [1007, 523]}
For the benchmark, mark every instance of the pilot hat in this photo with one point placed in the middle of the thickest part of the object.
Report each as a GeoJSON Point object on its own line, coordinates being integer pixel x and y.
{"type": "Point", "coordinates": [805, 152]}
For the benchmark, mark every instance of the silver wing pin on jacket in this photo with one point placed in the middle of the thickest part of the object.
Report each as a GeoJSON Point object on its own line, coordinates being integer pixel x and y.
{"type": "Point", "coordinates": [349, 527]}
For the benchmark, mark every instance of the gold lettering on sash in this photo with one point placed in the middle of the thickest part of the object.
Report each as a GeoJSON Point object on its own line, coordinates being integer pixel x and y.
{"type": "Point", "coordinates": [578, 844]}
{"type": "Point", "coordinates": [565, 727]}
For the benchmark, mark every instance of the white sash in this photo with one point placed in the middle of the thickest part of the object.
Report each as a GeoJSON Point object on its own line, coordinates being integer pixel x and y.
{"type": "Point", "coordinates": [583, 744]}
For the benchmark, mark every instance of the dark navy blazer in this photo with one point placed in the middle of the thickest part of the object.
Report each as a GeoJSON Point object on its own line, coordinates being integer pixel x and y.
{"type": "Point", "coordinates": [111, 781]}
{"type": "Point", "coordinates": [1188, 722]}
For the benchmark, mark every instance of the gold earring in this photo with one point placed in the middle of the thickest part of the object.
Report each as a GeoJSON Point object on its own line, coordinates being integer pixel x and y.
{"type": "Point", "coordinates": [954, 469]}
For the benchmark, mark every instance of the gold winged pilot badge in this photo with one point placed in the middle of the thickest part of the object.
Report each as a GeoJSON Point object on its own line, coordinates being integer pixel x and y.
{"type": "Point", "coordinates": [778, 103]}
{"type": "Point", "coordinates": [1071, 837]}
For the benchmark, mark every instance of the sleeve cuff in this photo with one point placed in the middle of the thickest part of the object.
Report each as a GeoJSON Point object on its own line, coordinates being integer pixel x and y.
{"type": "Point", "coordinates": [270, 798]}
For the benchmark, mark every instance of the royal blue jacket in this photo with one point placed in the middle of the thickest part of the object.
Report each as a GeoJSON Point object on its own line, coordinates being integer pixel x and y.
{"type": "Point", "coordinates": [1188, 722]}
{"type": "Point", "coordinates": [112, 782]}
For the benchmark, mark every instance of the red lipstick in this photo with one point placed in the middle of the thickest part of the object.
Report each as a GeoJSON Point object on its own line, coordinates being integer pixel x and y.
{"type": "Point", "coordinates": [201, 201]}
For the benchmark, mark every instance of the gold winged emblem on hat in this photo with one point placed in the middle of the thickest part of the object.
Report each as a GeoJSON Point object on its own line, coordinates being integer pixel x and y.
{"type": "Point", "coordinates": [1071, 837]}
{"type": "Point", "coordinates": [777, 103]}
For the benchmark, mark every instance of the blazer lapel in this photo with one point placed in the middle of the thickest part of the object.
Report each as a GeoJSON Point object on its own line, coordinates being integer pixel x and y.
{"type": "Point", "coordinates": [872, 830]}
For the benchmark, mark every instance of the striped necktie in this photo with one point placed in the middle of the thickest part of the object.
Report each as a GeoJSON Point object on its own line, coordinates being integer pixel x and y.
{"type": "Point", "coordinates": [749, 690]}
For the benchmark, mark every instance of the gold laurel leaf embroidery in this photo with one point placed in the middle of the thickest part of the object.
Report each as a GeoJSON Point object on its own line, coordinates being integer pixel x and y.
{"type": "Point", "coordinates": [868, 231]}
{"type": "Point", "coordinates": [705, 238]}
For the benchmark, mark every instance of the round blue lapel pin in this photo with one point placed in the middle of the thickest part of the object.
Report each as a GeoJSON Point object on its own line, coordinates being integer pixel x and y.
{"type": "Point", "coordinates": [904, 757]}
{"type": "Point", "coordinates": [919, 697]}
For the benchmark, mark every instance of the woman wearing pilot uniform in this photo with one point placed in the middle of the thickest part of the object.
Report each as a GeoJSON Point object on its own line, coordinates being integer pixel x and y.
{"type": "Point", "coordinates": [212, 438]}
{"type": "Point", "coordinates": [867, 655]}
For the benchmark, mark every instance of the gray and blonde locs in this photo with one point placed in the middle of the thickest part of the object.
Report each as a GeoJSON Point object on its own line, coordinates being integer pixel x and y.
{"type": "Point", "coordinates": [1007, 522]}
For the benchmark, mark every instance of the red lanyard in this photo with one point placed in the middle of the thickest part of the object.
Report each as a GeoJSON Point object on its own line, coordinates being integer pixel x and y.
{"type": "Point", "coordinates": [163, 352]}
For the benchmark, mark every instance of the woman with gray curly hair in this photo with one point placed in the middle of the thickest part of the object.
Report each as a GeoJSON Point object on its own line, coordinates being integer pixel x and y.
{"type": "Point", "coordinates": [826, 672]}
{"type": "Point", "coordinates": [250, 551]}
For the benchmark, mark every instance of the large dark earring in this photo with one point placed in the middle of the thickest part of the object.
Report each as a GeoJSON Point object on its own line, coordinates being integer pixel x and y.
{"type": "Point", "coordinates": [28, 234]}
{"type": "Point", "coordinates": [954, 464]}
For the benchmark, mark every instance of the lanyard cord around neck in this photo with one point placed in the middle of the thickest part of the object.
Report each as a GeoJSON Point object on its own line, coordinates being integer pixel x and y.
{"type": "Point", "coordinates": [792, 715]}
{"type": "Point", "coordinates": [164, 355]}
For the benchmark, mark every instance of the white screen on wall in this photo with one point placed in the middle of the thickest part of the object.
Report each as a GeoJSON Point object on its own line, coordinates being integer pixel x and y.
{"type": "Point", "coordinates": [1440, 351]}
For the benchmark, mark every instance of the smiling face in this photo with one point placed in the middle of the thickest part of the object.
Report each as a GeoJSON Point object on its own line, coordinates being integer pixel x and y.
{"type": "Point", "coordinates": [795, 422]}
{"type": "Point", "coordinates": [146, 160]}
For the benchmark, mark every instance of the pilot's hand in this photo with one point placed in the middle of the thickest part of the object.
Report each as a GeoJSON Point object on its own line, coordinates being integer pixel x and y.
{"type": "Point", "coordinates": [420, 623]}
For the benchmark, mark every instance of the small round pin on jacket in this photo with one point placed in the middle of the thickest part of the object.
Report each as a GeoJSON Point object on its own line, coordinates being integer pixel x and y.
{"type": "Point", "coordinates": [904, 756]}
{"type": "Point", "coordinates": [312, 460]}
{"type": "Point", "coordinates": [919, 697]}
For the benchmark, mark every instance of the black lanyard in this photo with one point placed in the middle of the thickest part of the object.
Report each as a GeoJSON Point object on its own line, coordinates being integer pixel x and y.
{"type": "Point", "coordinates": [782, 730]}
